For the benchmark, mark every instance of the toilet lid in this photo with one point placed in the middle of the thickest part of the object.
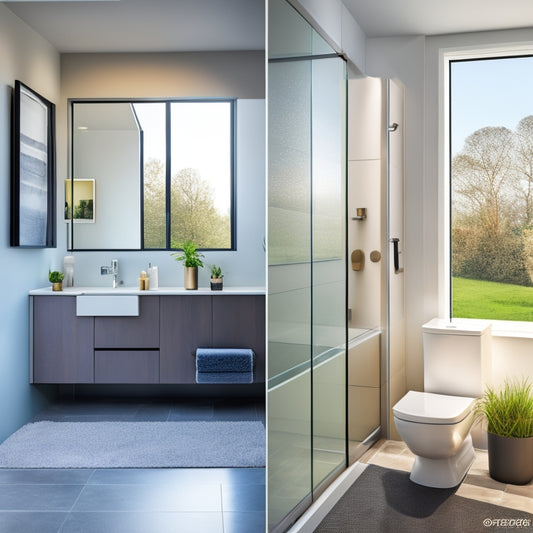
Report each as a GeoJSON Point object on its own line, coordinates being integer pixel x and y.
{"type": "Point", "coordinates": [430, 408]}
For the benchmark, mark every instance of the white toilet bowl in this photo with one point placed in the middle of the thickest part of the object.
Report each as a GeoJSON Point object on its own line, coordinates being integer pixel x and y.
{"type": "Point", "coordinates": [436, 428]}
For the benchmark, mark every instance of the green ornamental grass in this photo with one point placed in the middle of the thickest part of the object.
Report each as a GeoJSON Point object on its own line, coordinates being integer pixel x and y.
{"type": "Point", "coordinates": [509, 411]}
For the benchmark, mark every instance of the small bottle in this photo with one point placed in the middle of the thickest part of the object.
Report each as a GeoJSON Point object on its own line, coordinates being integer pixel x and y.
{"type": "Point", "coordinates": [153, 278]}
{"type": "Point", "coordinates": [68, 270]}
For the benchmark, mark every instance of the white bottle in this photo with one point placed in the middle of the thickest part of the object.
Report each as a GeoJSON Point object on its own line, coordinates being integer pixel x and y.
{"type": "Point", "coordinates": [153, 282]}
{"type": "Point", "coordinates": [68, 270]}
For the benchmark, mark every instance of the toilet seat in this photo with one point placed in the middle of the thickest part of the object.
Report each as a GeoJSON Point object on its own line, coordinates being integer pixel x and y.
{"type": "Point", "coordinates": [430, 408]}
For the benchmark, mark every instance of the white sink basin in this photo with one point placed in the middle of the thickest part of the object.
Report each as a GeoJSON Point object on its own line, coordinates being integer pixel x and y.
{"type": "Point", "coordinates": [107, 305]}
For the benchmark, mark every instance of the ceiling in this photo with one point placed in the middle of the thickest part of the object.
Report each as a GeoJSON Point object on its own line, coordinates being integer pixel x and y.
{"type": "Point", "coordinates": [384, 18]}
{"type": "Point", "coordinates": [146, 25]}
{"type": "Point", "coordinates": [204, 25]}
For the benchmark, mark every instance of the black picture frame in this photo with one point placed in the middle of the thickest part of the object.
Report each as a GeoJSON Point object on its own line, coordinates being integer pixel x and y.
{"type": "Point", "coordinates": [33, 170]}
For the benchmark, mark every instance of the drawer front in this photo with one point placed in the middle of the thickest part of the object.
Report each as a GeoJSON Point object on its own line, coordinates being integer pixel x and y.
{"type": "Point", "coordinates": [130, 331]}
{"type": "Point", "coordinates": [126, 366]}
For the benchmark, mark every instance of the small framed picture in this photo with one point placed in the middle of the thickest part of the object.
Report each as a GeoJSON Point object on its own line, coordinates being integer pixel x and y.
{"type": "Point", "coordinates": [79, 200]}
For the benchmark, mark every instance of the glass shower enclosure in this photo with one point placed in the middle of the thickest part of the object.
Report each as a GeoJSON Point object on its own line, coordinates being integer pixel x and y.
{"type": "Point", "coordinates": [307, 329]}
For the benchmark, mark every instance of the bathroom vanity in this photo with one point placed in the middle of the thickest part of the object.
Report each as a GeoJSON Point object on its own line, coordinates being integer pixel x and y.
{"type": "Point", "coordinates": [91, 335]}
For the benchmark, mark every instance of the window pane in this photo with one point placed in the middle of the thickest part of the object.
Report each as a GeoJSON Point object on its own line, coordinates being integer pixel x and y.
{"type": "Point", "coordinates": [201, 174]}
{"type": "Point", "coordinates": [151, 117]}
{"type": "Point", "coordinates": [492, 188]}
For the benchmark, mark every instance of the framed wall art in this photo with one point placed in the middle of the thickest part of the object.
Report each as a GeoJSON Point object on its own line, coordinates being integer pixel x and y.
{"type": "Point", "coordinates": [33, 172]}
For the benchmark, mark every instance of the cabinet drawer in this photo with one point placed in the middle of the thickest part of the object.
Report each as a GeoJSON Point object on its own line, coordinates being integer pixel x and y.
{"type": "Point", "coordinates": [126, 366]}
{"type": "Point", "coordinates": [130, 331]}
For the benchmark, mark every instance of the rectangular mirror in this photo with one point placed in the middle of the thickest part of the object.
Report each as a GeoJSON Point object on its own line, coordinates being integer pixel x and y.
{"type": "Point", "coordinates": [162, 173]}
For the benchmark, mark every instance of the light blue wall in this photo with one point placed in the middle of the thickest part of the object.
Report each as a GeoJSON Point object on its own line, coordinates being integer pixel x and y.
{"type": "Point", "coordinates": [25, 56]}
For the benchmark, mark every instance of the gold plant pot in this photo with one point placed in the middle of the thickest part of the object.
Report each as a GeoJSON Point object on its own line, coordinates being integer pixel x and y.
{"type": "Point", "coordinates": [58, 286]}
{"type": "Point", "coordinates": [191, 278]}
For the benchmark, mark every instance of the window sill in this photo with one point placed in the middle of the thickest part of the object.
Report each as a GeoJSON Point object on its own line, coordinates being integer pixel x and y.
{"type": "Point", "coordinates": [508, 328]}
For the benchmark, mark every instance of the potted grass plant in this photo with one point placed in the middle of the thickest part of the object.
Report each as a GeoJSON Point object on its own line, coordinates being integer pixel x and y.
{"type": "Point", "coordinates": [509, 416]}
{"type": "Point", "coordinates": [56, 279]}
{"type": "Point", "coordinates": [191, 260]}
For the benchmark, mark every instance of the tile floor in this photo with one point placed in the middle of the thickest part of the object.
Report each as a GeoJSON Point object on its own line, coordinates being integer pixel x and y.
{"type": "Point", "coordinates": [199, 500]}
{"type": "Point", "coordinates": [477, 484]}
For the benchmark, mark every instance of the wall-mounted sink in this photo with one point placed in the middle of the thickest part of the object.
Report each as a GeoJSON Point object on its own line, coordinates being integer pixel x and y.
{"type": "Point", "coordinates": [107, 305]}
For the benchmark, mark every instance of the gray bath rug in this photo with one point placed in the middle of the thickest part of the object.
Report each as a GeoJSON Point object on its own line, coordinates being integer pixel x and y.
{"type": "Point", "coordinates": [386, 501]}
{"type": "Point", "coordinates": [135, 445]}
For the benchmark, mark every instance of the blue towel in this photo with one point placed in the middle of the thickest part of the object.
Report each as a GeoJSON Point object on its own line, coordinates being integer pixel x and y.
{"type": "Point", "coordinates": [224, 360]}
{"type": "Point", "coordinates": [224, 377]}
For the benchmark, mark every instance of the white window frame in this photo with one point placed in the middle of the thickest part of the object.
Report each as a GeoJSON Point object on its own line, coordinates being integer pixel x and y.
{"type": "Point", "coordinates": [446, 55]}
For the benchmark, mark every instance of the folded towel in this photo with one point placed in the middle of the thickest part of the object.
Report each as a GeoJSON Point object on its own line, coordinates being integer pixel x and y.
{"type": "Point", "coordinates": [224, 360]}
{"type": "Point", "coordinates": [224, 377]}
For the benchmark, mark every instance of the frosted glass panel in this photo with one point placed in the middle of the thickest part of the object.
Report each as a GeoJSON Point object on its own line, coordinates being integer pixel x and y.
{"type": "Point", "coordinates": [329, 267]}
{"type": "Point", "coordinates": [289, 252]}
{"type": "Point", "coordinates": [307, 271]}
{"type": "Point", "coordinates": [289, 146]}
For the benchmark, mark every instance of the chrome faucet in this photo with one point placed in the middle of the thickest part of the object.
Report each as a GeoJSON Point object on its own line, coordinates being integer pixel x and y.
{"type": "Point", "coordinates": [113, 269]}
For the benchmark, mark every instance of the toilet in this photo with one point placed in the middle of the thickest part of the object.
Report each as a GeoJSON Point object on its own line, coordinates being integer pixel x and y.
{"type": "Point", "coordinates": [435, 424]}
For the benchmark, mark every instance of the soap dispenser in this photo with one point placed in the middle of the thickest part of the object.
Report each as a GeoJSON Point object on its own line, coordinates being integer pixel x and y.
{"type": "Point", "coordinates": [68, 270]}
{"type": "Point", "coordinates": [153, 281]}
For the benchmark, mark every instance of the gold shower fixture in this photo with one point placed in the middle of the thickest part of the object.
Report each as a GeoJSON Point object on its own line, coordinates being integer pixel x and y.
{"type": "Point", "coordinates": [360, 214]}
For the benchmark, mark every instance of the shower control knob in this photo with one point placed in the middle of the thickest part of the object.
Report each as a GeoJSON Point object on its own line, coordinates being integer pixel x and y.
{"type": "Point", "coordinates": [375, 256]}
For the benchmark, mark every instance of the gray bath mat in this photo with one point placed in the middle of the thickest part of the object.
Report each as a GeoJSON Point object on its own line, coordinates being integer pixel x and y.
{"type": "Point", "coordinates": [384, 501]}
{"type": "Point", "coordinates": [135, 445]}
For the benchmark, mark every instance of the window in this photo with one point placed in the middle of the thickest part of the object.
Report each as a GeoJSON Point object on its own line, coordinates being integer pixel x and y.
{"type": "Point", "coordinates": [491, 187]}
{"type": "Point", "coordinates": [163, 173]}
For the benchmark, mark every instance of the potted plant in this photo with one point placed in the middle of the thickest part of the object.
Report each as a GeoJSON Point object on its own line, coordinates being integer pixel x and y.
{"type": "Point", "coordinates": [56, 279]}
{"type": "Point", "coordinates": [191, 259]}
{"type": "Point", "coordinates": [509, 415]}
{"type": "Point", "coordinates": [216, 278]}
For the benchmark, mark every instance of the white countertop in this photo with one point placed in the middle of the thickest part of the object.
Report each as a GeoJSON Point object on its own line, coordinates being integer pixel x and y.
{"type": "Point", "coordinates": [162, 291]}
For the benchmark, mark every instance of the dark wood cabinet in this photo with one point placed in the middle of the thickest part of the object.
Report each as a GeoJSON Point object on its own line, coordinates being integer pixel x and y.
{"type": "Point", "coordinates": [63, 348]}
{"type": "Point", "coordinates": [135, 332]}
{"type": "Point", "coordinates": [185, 325]}
{"type": "Point", "coordinates": [239, 322]}
{"type": "Point", "coordinates": [158, 346]}
{"type": "Point", "coordinates": [126, 366]}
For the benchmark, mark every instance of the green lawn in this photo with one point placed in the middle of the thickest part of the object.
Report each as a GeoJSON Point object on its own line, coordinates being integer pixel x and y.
{"type": "Point", "coordinates": [487, 299]}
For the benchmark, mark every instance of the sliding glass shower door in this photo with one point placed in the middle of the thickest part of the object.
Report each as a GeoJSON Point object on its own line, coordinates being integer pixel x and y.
{"type": "Point", "coordinates": [307, 266]}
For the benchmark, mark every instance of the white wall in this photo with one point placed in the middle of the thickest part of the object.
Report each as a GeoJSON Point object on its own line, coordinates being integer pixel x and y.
{"type": "Point", "coordinates": [117, 202]}
{"type": "Point", "coordinates": [220, 74]}
{"type": "Point", "coordinates": [338, 27]}
{"type": "Point", "coordinates": [403, 58]}
{"type": "Point", "coordinates": [25, 56]}
{"type": "Point", "coordinates": [414, 60]}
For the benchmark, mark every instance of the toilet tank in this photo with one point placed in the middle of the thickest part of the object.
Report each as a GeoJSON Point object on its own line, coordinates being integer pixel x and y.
{"type": "Point", "coordinates": [457, 356]}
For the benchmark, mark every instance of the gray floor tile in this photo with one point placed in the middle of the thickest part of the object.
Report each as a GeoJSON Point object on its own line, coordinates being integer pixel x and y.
{"type": "Point", "coordinates": [188, 476]}
{"type": "Point", "coordinates": [53, 476]}
{"type": "Point", "coordinates": [38, 497]}
{"type": "Point", "coordinates": [191, 412]}
{"type": "Point", "coordinates": [30, 522]}
{"type": "Point", "coordinates": [244, 522]}
{"type": "Point", "coordinates": [243, 498]}
{"type": "Point", "coordinates": [140, 522]}
{"type": "Point", "coordinates": [154, 498]}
